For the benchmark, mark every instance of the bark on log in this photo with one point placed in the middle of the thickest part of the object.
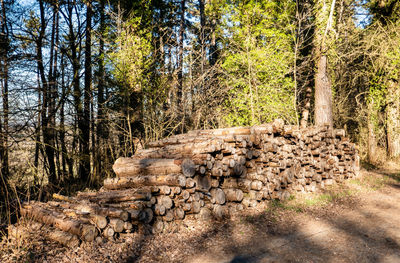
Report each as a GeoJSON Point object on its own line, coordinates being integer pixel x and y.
{"type": "Point", "coordinates": [233, 195]}
{"type": "Point", "coordinates": [114, 196]}
{"type": "Point", "coordinates": [132, 166]}
{"type": "Point", "coordinates": [85, 231]}
{"type": "Point", "coordinates": [218, 196]}
{"type": "Point", "coordinates": [64, 238]}
{"type": "Point", "coordinates": [117, 225]}
{"type": "Point", "coordinates": [149, 180]}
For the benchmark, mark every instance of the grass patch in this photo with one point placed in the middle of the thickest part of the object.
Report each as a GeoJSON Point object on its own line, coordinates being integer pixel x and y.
{"type": "Point", "coordinates": [374, 181]}
{"type": "Point", "coordinates": [302, 202]}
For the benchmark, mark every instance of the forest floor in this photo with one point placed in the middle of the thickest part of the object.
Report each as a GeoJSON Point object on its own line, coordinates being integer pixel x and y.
{"type": "Point", "coordinates": [357, 221]}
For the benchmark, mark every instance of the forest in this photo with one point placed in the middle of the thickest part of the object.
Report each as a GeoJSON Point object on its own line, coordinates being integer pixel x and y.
{"type": "Point", "coordinates": [84, 82]}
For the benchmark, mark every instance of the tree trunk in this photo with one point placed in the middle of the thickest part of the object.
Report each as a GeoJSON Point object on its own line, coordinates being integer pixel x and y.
{"type": "Point", "coordinates": [101, 129]}
{"type": "Point", "coordinates": [323, 86]}
{"type": "Point", "coordinates": [4, 94]}
{"type": "Point", "coordinates": [84, 167]}
{"type": "Point", "coordinates": [372, 145]}
{"type": "Point", "coordinates": [393, 119]}
{"type": "Point", "coordinates": [180, 103]}
{"type": "Point", "coordinates": [323, 94]}
{"type": "Point", "coordinates": [47, 126]}
{"type": "Point", "coordinates": [202, 42]}
{"type": "Point", "coordinates": [77, 95]}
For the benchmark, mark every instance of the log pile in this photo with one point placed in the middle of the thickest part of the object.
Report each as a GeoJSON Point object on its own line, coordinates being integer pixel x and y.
{"type": "Point", "coordinates": [202, 174]}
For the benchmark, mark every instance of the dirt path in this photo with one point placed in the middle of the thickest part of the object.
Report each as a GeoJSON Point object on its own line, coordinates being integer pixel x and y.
{"type": "Point", "coordinates": [360, 222]}
{"type": "Point", "coordinates": [368, 230]}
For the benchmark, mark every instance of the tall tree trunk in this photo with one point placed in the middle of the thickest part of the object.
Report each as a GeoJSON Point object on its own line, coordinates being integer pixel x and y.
{"type": "Point", "coordinates": [38, 143]}
{"type": "Point", "coordinates": [202, 42]}
{"type": "Point", "coordinates": [180, 102]}
{"type": "Point", "coordinates": [393, 119]}
{"type": "Point", "coordinates": [213, 42]}
{"type": "Point", "coordinates": [101, 131]}
{"type": "Point", "coordinates": [323, 86]}
{"type": "Point", "coordinates": [372, 144]}
{"type": "Point", "coordinates": [79, 125]}
{"type": "Point", "coordinates": [84, 167]}
{"type": "Point", "coordinates": [4, 94]}
{"type": "Point", "coordinates": [323, 93]}
{"type": "Point", "coordinates": [64, 153]}
{"type": "Point", "coordinates": [47, 126]}
{"type": "Point", "coordinates": [54, 88]}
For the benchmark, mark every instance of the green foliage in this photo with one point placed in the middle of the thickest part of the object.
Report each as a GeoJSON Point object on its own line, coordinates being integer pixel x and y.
{"type": "Point", "coordinates": [130, 59]}
{"type": "Point", "coordinates": [377, 93]}
{"type": "Point", "coordinates": [258, 62]}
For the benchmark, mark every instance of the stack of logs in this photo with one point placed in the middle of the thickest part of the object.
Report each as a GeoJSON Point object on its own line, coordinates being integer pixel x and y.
{"type": "Point", "coordinates": [201, 174]}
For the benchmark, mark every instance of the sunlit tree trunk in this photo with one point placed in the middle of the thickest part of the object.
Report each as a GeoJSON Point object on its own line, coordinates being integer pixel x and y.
{"type": "Point", "coordinates": [323, 85]}
{"type": "Point", "coordinates": [393, 119]}
{"type": "Point", "coordinates": [372, 144]}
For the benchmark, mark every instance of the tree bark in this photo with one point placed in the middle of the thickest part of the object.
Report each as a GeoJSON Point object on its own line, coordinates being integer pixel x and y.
{"type": "Point", "coordinates": [84, 167]}
{"type": "Point", "coordinates": [180, 102]}
{"type": "Point", "coordinates": [393, 119]}
{"type": "Point", "coordinates": [4, 94]}
{"type": "Point", "coordinates": [323, 85]}
{"type": "Point", "coordinates": [47, 110]}
{"type": "Point", "coordinates": [372, 145]}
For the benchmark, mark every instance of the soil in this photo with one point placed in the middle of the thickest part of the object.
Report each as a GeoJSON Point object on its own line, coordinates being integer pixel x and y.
{"type": "Point", "coordinates": [359, 227]}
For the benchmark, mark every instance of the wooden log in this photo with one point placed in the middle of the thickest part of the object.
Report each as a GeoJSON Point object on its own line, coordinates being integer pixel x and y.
{"type": "Point", "coordinates": [166, 201]}
{"type": "Point", "coordinates": [169, 216]}
{"type": "Point", "coordinates": [184, 195]}
{"type": "Point", "coordinates": [176, 190]}
{"type": "Point", "coordinates": [186, 206]}
{"type": "Point", "coordinates": [114, 196]}
{"type": "Point", "coordinates": [203, 183]}
{"type": "Point", "coordinates": [131, 166]}
{"type": "Point", "coordinates": [239, 183]}
{"type": "Point", "coordinates": [149, 180]}
{"type": "Point", "coordinates": [202, 169]}
{"type": "Point", "coordinates": [117, 225]}
{"type": "Point", "coordinates": [179, 213]}
{"type": "Point", "coordinates": [64, 238]}
{"type": "Point", "coordinates": [256, 195]}
{"type": "Point", "coordinates": [159, 209]}
{"type": "Point", "coordinates": [108, 232]}
{"type": "Point", "coordinates": [218, 195]}
{"type": "Point", "coordinates": [194, 208]}
{"type": "Point", "coordinates": [223, 131]}
{"type": "Point", "coordinates": [85, 231]}
{"type": "Point", "coordinates": [138, 205]}
{"type": "Point", "coordinates": [247, 202]}
{"type": "Point", "coordinates": [97, 220]}
{"type": "Point", "coordinates": [190, 183]}
{"type": "Point", "coordinates": [128, 226]}
{"type": "Point", "coordinates": [256, 185]}
{"type": "Point", "coordinates": [102, 211]}
{"type": "Point", "coordinates": [63, 198]}
{"type": "Point", "coordinates": [233, 195]}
